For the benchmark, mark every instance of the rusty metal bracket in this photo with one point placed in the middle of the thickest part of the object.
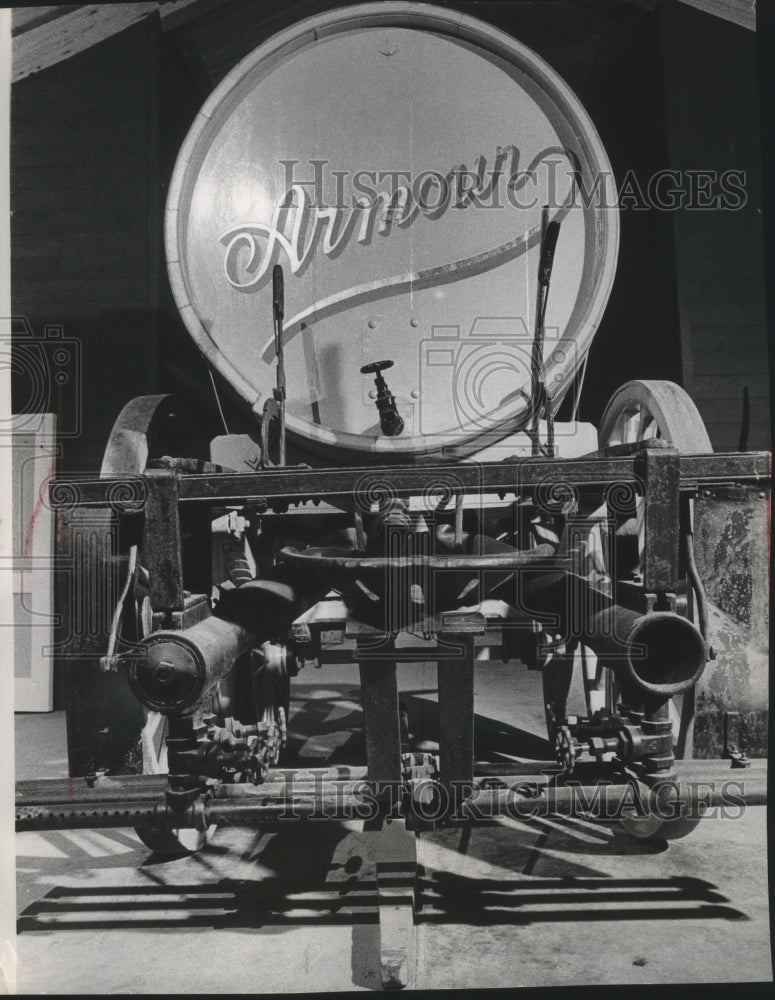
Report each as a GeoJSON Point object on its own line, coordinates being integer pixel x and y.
{"type": "Point", "coordinates": [661, 472]}
{"type": "Point", "coordinates": [196, 607]}
{"type": "Point", "coordinates": [632, 595]}
{"type": "Point", "coordinates": [162, 540]}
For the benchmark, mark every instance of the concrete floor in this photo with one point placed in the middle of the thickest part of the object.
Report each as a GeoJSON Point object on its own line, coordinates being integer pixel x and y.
{"type": "Point", "coordinates": [541, 903]}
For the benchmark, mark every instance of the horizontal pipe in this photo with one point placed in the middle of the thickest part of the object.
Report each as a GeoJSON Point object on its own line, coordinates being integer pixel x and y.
{"type": "Point", "coordinates": [242, 812]}
{"type": "Point", "coordinates": [65, 789]}
{"type": "Point", "coordinates": [303, 791]}
{"type": "Point", "coordinates": [701, 784]}
{"type": "Point", "coordinates": [90, 815]}
{"type": "Point", "coordinates": [133, 786]}
{"type": "Point", "coordinates": [79, 797]}
{"type": "Point", "coordinates": [610, 801]}
{"type": "Point", "coordinates": [350, 562]}
{"type": "Point", "coordinates": [661, 653]}
{"type": "Point", "coordinates": [171, 671]}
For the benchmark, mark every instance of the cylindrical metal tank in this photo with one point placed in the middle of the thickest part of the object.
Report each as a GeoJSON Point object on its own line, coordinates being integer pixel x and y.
{"type": "Point", "coordinates": [172, 670]}
{"type": "Point", "coordinates": [396, 160]}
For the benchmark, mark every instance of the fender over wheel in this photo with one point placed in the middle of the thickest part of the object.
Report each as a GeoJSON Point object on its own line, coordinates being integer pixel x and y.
{"type": "Point", "coordinates": [654, 410]}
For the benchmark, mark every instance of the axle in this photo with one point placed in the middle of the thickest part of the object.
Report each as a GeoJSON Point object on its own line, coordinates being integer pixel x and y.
{"type": "Point", "coordinates": [696, 788]}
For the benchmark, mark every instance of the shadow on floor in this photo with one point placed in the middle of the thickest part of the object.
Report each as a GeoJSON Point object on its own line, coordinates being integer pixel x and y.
{"type": "Point", "coordinates": [332, 714]}
{"type": "Point", "coordinates": [323, 874]}
{"type": "Point", "coordinates": [446, 897]}
{"type": "Point", "coordinates": [442, 898]}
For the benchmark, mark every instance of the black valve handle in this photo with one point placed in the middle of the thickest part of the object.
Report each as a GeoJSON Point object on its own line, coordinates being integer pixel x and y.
{"type": "Point", "coordinates": [389, 418]}
{"type": "Point", "coordinates": [376, 366]}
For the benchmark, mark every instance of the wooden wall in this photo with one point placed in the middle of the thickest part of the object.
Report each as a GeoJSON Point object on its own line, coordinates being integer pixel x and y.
{"type": "Point", "coordinates": [85, 231]}
{"type": "Point", "coordinates": [86, 219]}
{"type": "Point", "coordinates": [712, 113]}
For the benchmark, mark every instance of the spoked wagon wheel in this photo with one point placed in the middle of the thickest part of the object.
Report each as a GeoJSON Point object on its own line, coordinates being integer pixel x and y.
{"type": "Point", "coordinates": [642, 411]}
{"type": "Point", "coordinates": [652, 410]}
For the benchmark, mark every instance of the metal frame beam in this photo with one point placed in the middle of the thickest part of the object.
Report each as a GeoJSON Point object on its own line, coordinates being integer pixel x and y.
{"type": "Point", "coordinates": [295, 485]}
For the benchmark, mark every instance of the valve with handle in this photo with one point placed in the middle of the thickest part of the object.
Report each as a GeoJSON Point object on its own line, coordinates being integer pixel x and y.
{"type": "Point", "coordinates": [389, 418]}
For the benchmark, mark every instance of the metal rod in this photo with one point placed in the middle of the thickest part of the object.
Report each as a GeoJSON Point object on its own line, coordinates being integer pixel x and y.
{"type": "Point", "coordinates": [310, 559]}
{"type": "Point", "coordinates": [540, 404]}
{"type": "Point", "coordinates": [609, 801]}
{"type": "Point", "coordinates": [702, 785]}
{"type": "Point", "coordinates": [334, 807]}
{"type": "Point", "coordinates": [694, 578]}
{"type": "Point", "coordinates": [90, 815]}
{"type": "Point", "coordinates": [278, 310]}
{"type": "Point", "coordinates": [536, 365]}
